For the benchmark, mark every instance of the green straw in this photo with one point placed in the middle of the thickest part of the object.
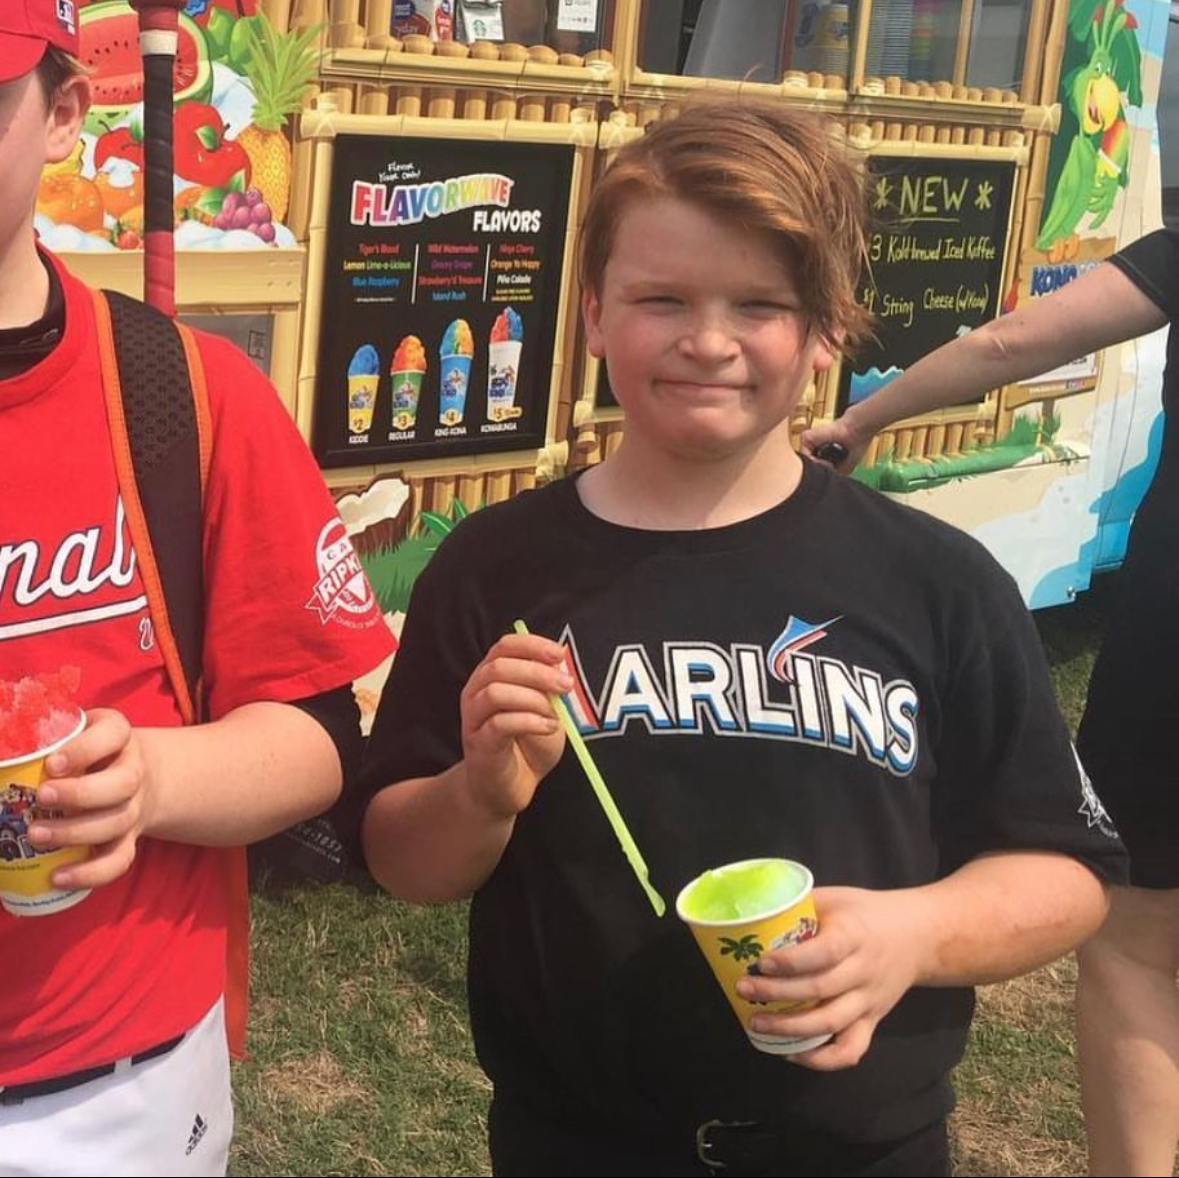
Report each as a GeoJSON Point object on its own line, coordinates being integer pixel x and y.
{"type": "Point", "coordinates": [629, 848]}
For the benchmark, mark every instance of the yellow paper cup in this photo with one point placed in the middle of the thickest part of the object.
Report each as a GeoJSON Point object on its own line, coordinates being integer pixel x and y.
{"type": "Point", "coordinates": [25, 889]}
{"type": "Point", "coordinates": [362, 396]}
{"type": "Point", "coordinates": [742, 910]}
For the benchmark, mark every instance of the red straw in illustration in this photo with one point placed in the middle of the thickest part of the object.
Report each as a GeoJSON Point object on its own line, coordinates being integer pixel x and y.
{"type": "Point", "coordinates": [158, 25]}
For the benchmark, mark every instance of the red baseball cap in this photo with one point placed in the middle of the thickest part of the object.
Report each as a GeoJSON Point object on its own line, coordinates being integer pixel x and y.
{"type": "Point", "coordinates": [29, 27]}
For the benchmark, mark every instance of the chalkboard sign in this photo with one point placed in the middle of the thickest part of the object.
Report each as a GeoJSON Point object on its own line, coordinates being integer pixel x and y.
{"type": "Point", "coordinates": [442, 281]}
{"type": "Point", "coordinates": [936, 253]}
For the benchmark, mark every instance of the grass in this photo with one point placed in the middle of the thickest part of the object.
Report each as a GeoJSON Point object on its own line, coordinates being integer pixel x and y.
{"type": "Point", "coordinates": [362, 1062]}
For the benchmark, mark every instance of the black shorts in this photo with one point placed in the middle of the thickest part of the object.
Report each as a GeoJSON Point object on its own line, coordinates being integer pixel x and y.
{"type": "Point", "coordinates": [525, 1144]}
{"type": "Point", "coordinates": [1126, 743]}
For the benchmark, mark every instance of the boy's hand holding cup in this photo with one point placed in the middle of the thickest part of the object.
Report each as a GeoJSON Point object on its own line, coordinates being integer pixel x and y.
{"type": "Point", "coordinates": [741, 911]}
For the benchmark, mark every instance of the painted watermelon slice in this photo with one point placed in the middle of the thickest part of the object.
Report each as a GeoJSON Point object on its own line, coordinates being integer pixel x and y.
{"type": "Point", "coordinates": [109, 36]}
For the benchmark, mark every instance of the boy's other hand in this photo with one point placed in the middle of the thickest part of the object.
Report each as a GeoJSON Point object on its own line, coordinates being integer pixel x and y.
{"type": "Point", "coordinates": [101, 784]}
{"type": "Point", "coordinates": [835, 443]}
{"type": "Point", "coordinates": [511, 735]}
{"type": "Point", "coordinates": [866, 955]}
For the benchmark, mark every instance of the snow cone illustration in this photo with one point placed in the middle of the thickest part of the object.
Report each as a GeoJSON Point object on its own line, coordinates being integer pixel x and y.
{"type": "Point", "coordinates": [503, 364]}
{"type": "Point", "coordinates": [407, 369]}
{"type": "Point", "coordinates": [364, 374]}
{"type": "Point", "coordinates": [458, 346]}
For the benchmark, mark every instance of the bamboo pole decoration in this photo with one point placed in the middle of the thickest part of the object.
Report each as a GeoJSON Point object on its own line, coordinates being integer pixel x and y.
{"type": "Point", "coordinates": [560, 108]}
{"type": "Point", "coordinates": [474, 105]}
{"type": "Point", "coordinates": [318, 200]}
{"type": "Point", "coordinates": [962, 47]}
{"type": "Point", "coordinates": [441, 494]}
{"type": "Point", "coordinates": [305, 13]}
{"type": "Point", "coordinates": [378, 20]}
{"type": "Point", "coordinates": [499, 486]}
{"type": "Point", "coordinates": [1037, 186]}
{"type": "Point", "coordinates": [302, 174]}
{"type": "Point", "coordinates": [475, 102]}
{"type": "Point", "coordinates": [470, 491]}
{"type": "Point", "coordinates": [409, 98]}
{"type": "Point", "coordinates": [417, 496]}
{"type": "Point", "coordinates": [348, 37]}
{"type": "Point", "coordinates": [443, 100]}
{"type": "Point", "coordinates": [1054, 43]}
{"type": "Point", "coordinates": [1033, 52]}
{"type": "Point", "coordinates": [374, 100]}
{"type": "Point", "coordinates": [859, 45]}
{"type": "Point", "coordinates": [278, 12]}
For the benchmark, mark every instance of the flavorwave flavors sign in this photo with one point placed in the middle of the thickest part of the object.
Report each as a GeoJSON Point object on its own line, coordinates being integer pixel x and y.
{"type": "Point", "coordinates": [458, 246]}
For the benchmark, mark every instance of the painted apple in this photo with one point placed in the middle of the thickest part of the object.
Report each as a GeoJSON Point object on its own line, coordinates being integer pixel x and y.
{"type": "Point", "coordinates": [121, 143]}
{"type": "Point", "coordinates": [202, 153]}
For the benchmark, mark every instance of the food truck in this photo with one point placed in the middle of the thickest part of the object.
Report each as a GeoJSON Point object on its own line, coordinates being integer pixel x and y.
{"type": "Point", "coordinates": [379, 201]}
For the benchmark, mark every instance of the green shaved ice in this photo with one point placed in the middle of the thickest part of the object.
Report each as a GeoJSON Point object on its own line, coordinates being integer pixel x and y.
{"type": "Point", "coordinates": [741, 891]}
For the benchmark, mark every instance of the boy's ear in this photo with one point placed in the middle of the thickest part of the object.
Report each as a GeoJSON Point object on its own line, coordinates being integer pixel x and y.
{"type": "Point", "coordinates": [825, 351]}
{"type": "Point", "coordinates": [67, 109]}
{"type": "Point", "coordinates": [591, 312]}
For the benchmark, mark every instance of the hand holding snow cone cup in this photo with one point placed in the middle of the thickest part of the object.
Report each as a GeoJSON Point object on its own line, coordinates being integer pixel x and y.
{"type": "Point", "coordinates": [37, 720]}
{"type": "Point", "coordinates": [741, 911]}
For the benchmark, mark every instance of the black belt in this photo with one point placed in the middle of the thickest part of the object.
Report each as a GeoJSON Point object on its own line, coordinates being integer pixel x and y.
{"type": "Point", "coordinates": [16, 1093]}
{"type": "Point", "coordinates": [746, 1147]}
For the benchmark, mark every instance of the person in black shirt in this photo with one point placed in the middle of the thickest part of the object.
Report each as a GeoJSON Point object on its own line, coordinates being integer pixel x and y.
{"type": "Point", "coordinates": [1127, 1003]}
{"type": "Point", "coordinates": [767, 660]}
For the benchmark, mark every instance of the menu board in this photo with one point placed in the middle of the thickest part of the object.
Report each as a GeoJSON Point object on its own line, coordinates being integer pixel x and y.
{"type": "Point", "coordinates": [936, 250]}
{"type": "Point", "coordinates": [442, 280]}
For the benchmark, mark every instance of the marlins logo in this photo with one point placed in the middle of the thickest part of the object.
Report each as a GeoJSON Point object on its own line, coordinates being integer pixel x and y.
{"type": "Point", "coordinates": [797, 635]}
{"type": "Point", "coordinates": [743, 690]}
{"type": "Point", "coordinates": [1095, 814]}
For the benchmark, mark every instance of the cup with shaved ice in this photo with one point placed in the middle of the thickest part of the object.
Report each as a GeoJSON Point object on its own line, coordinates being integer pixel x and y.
{"type": "Point", "coordinates": [407, 369]}
{"type": "Point", "coordinates": [504, 345]}
{"type": "Point", "coordinates": [742, 910]}
{"type": "Point", "coordinates": [364, 374]}
{"type": "Point", "coordinates": [38, 716]}
{"type": "Point", "coordinates": [455, 353]}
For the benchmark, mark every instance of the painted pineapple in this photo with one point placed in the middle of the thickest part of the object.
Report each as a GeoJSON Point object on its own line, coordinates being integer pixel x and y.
{"type": "Point", "coordinates": [281, 67]}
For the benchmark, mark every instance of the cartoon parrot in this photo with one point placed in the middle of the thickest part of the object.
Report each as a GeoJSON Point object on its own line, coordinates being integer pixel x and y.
{"type": "Point", "coordinates": [1096, 165]}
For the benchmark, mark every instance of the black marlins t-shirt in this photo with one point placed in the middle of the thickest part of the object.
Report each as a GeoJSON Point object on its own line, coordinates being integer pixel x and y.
{"type": "Point", "coordinates": [840, 680]}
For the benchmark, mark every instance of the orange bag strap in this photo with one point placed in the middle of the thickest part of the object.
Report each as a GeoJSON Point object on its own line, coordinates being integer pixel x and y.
{"type": "Point", "coordinates": [158, 411]}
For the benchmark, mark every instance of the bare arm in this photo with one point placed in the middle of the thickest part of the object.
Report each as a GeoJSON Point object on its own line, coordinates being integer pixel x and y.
{"type": "Point", "coordinates": [1100, 308]}
{"type": "Point", "coordinates": [249, 774]}
{"type": "Point", "coordinates": [428, 840]}
{"type": "Point", "coordinates": [438, 838]}
{"type": "Point", "coordinates": [995, 918]}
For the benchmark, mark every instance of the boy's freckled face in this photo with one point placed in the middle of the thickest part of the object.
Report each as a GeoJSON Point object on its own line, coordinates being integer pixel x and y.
{"type": "Point", "coordinates": [707, 346]}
